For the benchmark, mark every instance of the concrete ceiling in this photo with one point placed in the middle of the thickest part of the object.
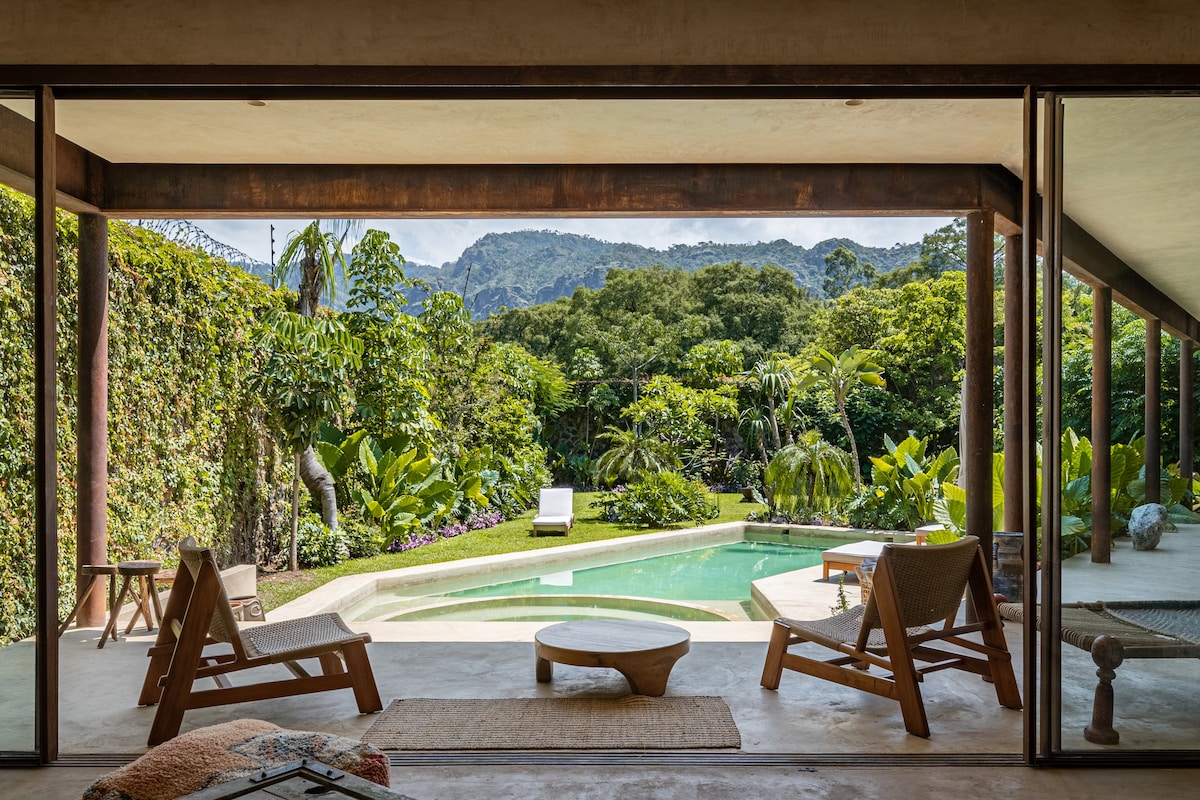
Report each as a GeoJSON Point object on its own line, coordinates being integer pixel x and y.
{"type": "Point", "coordinates": [1132, 165]}
{"type": "Point", "coordinates": [547, 131]}
{"type": "Point", "coordinates": [1131, 177]}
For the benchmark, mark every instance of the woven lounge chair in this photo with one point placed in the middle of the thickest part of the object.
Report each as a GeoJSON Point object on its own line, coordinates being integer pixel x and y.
{"type": "Point", "coordinates": [555, 511]}
{"type": "Point", "coordinates": [914, 587]}
{"type": "Point", "coordinates": [198, 614]}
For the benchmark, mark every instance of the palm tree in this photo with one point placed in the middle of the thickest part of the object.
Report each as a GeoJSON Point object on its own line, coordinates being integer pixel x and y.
{"type": "Point", "coordinates": [754, 423]}
{"type": "Point", "coordinates": [774, 379]}
{"type": "Point", "coordinates": [811, 473]}
{"type": "Point", "coordinates": [840, 375]}
{"type": "Point", "coordinates": [314, 254]}
{"type": "Point", "coordinates": [631, 453]}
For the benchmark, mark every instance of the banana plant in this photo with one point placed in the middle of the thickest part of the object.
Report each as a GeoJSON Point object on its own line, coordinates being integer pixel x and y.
{"type": "Point", "coordinates": [906, 481]}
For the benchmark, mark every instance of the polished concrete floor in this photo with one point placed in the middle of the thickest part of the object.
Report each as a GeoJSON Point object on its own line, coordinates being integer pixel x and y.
{"type": "Point", "coordinates": [808, 735]}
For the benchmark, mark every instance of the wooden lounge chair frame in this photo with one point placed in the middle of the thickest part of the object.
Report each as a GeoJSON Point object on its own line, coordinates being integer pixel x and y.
{"type": "Point", "coordinates": [198, 614]}
{"type": "Point", "coordinates": [914, 587]}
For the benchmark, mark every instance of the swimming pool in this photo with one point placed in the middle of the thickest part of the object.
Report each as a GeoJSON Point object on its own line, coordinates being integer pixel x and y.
{"type": "Point", "coordinates": [689, 582]}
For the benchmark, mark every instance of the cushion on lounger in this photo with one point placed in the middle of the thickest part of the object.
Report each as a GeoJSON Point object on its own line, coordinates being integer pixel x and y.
{"type": "Point", "coordinates": [231, 750]}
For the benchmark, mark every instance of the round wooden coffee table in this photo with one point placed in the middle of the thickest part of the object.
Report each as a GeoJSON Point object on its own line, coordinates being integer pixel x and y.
{"type": "Point", "coordinates": [644, 652]}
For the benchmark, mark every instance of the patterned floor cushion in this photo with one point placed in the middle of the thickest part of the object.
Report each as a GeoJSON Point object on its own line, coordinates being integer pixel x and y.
{"type": "Point", "coordinates": [219, 753]}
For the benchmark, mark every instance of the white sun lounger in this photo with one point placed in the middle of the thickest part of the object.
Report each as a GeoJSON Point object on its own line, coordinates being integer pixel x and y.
{"type": "Point", "coordinates": [554, 511]}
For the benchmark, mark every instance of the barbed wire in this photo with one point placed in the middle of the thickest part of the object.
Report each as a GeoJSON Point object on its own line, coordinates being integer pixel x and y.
{"type": "Point", "coordinates": [186, 232]}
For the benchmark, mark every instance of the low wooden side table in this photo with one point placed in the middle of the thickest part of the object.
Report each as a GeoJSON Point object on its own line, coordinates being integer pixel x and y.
{"type": "Point", "coordinates": [93, 573]}
{"type": "Point", "coordinates": [644, 652]}
{"type": "Point", "coordinates": [137, 581]}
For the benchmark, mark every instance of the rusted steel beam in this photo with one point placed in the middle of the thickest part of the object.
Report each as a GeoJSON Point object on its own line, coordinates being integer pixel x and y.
{"type": "Point", "coordinates": [1101, 425]}
{"type": "Point", "coordinates": [1014, 345]}
{"type": "Point", "coordinates": [1153, 410]}
{"type": "Point", "coordinates": [146, 190]}
{"type": "Point", "coordinates": [45, 482]}
{"type": "Point", "coordinates": [92, 439]}
{"type": "Point", "coordinates": [79, 173]}
{"type": "Point", "coordinates": [977, 394]}
{"type": "Point", "coordinates": [657, 81]}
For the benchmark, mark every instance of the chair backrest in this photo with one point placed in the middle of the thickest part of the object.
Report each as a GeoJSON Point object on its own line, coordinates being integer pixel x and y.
{"type": "Point", "coordinates": [555, 502]}
{"type": "Point", "coordinates": [927, 581]}
{"type": "Point", "coordinates": [223, 627]}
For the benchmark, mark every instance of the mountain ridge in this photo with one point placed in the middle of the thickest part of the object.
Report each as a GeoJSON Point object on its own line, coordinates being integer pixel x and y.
{"type": "Point", "coordinates": [524, 268]}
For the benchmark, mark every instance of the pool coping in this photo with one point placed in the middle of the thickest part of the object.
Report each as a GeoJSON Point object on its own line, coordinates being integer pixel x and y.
{"type": "Point", "coordinates": [788, 594]}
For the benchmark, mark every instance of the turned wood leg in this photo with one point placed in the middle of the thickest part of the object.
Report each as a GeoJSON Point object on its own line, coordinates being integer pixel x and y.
{"type": "Point", "coordinates": [1108, 653]}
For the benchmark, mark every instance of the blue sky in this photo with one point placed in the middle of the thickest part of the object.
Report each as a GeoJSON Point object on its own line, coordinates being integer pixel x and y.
{"type": "Point", "coordinates": [437, 241]}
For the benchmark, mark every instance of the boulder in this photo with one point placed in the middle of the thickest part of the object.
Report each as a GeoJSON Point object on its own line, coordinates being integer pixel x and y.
{"type": "Point", "coordinates": [1146, 525]}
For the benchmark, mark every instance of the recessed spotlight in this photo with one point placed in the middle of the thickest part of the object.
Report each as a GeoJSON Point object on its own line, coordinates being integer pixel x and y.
{"type": "Point", "coordinates": [261, 103]}
{"type": "Point", "coordinates": [855, 102]}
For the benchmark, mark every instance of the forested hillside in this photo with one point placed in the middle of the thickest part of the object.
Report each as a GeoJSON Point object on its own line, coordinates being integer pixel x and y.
{"type": "Point", "coordinates": [516, 270]}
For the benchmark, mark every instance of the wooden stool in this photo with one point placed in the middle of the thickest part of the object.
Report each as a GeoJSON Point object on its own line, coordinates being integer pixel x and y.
{"type": "Point", "coordinates": [93, 571]}
{"type": "Point", "coordinates": [137, 582]}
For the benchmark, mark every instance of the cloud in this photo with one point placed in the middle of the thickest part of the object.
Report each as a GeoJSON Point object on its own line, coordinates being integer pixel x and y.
{"type": "Point", "coordinates": [440, 240]}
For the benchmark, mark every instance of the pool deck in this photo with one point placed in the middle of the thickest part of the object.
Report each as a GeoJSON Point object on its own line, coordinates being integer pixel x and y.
{"type": "Point", "coordinates": [809, 737]}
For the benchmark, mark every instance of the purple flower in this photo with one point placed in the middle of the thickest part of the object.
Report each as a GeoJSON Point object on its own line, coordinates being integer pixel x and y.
{"type": "Point", "coordinates": [411, 542]}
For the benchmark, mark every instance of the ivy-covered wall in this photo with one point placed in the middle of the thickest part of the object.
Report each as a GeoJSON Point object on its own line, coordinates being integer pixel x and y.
{"type": "Point", "coordinates": [188, 449]}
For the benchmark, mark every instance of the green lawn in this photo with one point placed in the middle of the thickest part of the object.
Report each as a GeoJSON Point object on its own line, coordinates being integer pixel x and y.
{"type": "Point", "coordinates": [507, 537]}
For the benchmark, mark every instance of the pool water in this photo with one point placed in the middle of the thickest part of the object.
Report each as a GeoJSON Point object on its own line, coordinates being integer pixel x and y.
{"type": "Point", "coordinates": [701, 583]}
{"type": "Point", "coordinates": [722, 572]}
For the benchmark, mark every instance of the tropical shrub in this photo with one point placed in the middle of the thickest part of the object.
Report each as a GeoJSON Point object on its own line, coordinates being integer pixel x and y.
{"type": "Point", "coordinates": [319, 546]}
{"type": "Point", "coordinates": [905, 483]}
{"type": "Point", "coordinates": [809, 476]}
{"type": "Point", "coordinates": [631, 453]}
{"type": "Point", "coordinates": [660, 498]}
{"type": "Point", "coordinates": [361, 537]}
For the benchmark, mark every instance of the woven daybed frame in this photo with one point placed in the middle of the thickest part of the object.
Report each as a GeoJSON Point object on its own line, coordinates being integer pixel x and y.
{"type": "Point", "coordinates": [1113, 632]}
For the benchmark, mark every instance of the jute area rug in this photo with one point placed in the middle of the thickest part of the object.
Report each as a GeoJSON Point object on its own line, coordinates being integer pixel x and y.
{"type": "Point", "coordinates": [556, 723]}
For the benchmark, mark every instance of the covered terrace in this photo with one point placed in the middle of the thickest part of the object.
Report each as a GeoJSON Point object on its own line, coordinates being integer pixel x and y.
{"type": "Point", "coordinates": [1093, 165]}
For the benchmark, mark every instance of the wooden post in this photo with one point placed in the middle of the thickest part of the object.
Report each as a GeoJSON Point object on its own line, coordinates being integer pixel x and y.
{"type": "Point", "coordinates": [977, 401]}
{"type": "Point", "coordinates": [92, 445]}
{"type": "Point", "coordinates": [1153, 410]}
{"type": "Point", "coordinates": [1101, 425]}
{"type": "Point", "coordinates": [1187, 383]}
{"type": "Point", "coordinates": [1014, 443]}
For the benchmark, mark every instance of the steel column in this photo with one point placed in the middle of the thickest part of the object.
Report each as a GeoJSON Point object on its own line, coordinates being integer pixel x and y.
{"type": "Point", "coordinates": [1029, 417]}
{"type": "Point", "coordinates": [1101, 425]}
{"type": "Point", "coordinates": [1051, 555]}
{"type": "Point", "coordinates": [45, 315]}
{"type": "Point", "coordinates": [977, 396]}
{"type": "Point", "coordinates": [1153, 410]}
{"type": "Point", "coordinates": [1187, 406]}
{"type": "Point", "coordinates": [1014, 441]}
{"type": "Point", "coordinates": [92, 445]}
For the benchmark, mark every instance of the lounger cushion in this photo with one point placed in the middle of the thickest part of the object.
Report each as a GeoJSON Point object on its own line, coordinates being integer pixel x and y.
{"type": "Point", "coordinates": [228, 751]}
{"type": "Point", "coordinates": [552, 520]}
